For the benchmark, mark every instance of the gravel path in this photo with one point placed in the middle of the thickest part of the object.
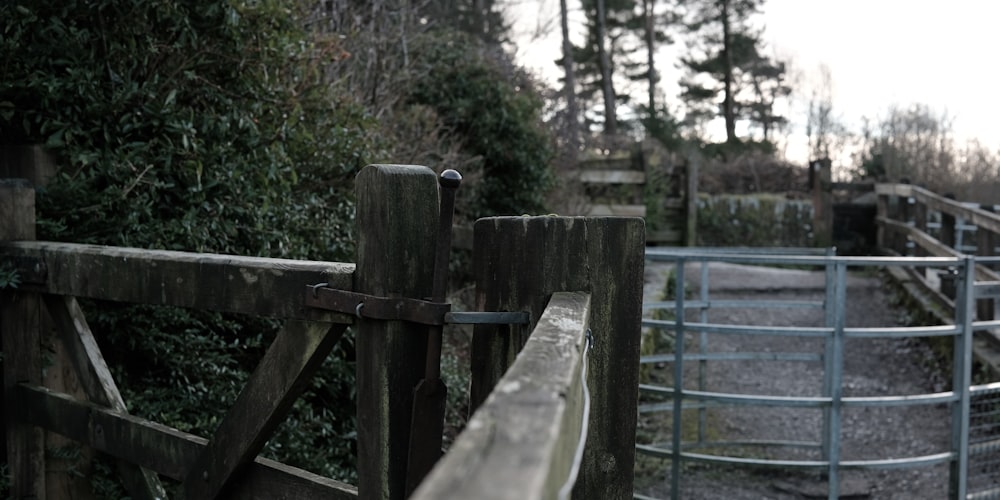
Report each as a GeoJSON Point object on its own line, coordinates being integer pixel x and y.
{"type": "Point", "coordinates": [874, 367]}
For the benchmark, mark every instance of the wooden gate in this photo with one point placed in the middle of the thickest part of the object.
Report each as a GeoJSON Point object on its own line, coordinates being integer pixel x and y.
{"type": "Point", "coordinates": [598, 258]}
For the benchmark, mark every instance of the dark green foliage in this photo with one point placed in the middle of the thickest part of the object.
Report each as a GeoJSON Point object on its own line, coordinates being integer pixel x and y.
{"type": "Point", "coordinates": [760, 220]}
{"type": "Point", "coordinates": [197, 126]}
{"type": "Point", "coordinates": [492, 109]}
{"type": "Point", "coordinates": [193, 125]}
{"type": "Point", "coordinates": [9, 277]}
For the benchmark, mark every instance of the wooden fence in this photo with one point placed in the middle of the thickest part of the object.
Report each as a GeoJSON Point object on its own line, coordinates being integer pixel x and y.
{"type": "Point", "coordinates": [648, 182]}
{"type": "Point", "coordinates": [913, 221]}
{"type": "Point", "coordinates": [524, 437]}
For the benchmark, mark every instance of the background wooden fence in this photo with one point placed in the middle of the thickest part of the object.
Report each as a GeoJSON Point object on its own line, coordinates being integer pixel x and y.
{"type": "Point", "coordinates": [521, 263]}
{"type": "Point", "coordinates": [913, 221]}
{"type": "Point", "coordinates": [646, 182]}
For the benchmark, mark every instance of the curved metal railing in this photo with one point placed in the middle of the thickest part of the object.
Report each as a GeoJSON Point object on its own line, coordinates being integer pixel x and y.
{"type": "Point", "coordinates": [831, 401]}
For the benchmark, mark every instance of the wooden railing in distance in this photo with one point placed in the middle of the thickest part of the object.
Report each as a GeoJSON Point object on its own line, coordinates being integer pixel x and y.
{"type": "Point", "coordinates": [903, 230]}
{"type": "Point", "coordinates": [902, 217]}
{"type": "Point", "coordinates": [522, 442]}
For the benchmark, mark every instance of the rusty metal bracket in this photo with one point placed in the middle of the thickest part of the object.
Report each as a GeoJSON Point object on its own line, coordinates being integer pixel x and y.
{"type": "Point", "coordinates": [425, 312]}
{"type": "Point", "coordinates": [366, 306]}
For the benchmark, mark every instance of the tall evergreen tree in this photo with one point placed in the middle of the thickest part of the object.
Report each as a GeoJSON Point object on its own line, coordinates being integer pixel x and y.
{"type": "Point", "coordinates": [600, 59]}
{"type": "Point", "coordinates": [483, 19]}
{"type": "Point", "coordinates": [730, 64]}
{"type": "Point", "coordinates": [569, 88]}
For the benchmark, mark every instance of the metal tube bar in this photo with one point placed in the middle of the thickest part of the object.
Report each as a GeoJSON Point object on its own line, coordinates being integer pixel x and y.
{"type": "Point", "coordinates": [790, 331]}
{"type": "Point", "coordinates": [962, 378]}
{"type": "Point", "coordinates": [675, 465]}
{"type": "Point", "coordinates": [741, 304]}
{"type": "Point", "coordinates": [836, 379]}
{"type": "Point", "coordinates": [703, 347]}
{"type": "Point", "coordinates": [894, 463]}
{"type": "Point", "coordinates": [735, 356]}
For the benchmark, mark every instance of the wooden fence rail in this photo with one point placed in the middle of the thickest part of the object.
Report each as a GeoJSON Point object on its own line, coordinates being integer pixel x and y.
{"type": "Point", "coordinates": [904, 214]}
{"type": "Point", "coordinates": [521, 443]}
{"type": "Point", "coordinates": [522, 264]}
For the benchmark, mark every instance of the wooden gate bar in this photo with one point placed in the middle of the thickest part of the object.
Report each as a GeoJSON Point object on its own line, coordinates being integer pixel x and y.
{"type": "Point", "coordinates": [287, 367]}
{"type": "Point", "coordinates": [255, 286]}
{"type": "Point", "coordinates": [166, 450]}
{"type": "Point", "coordinates": [98, 384]}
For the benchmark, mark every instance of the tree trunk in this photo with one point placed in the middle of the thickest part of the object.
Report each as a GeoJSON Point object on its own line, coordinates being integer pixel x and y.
{"type": "Point", "coordinates": [572, 112]}
{"type": "Point", "coordinates": [610, 118]}
{"type": "Point", "coordinates": [728, 111]}
{"type": "Point", "coordinates": [647, 8]}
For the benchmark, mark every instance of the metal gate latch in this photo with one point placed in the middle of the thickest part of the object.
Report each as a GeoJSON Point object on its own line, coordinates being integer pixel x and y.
{"type": "Point", "coordinates": [425, 312]}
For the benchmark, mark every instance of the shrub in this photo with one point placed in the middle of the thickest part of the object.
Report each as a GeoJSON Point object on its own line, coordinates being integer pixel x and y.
{"type": "Point", "coordinates": [202, 126]}
{"type": "Point", "coordinates": [491, 107]}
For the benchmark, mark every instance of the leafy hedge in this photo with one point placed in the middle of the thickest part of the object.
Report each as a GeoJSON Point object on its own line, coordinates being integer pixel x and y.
{"type": "Point", "coordinates": [202, 126]}
{"type": "Point", "coordinates": [492, 108]}
{"type": "Point", "coordinates": [757, 220]}
{"type": "Point", "coordinates": [213, 126]}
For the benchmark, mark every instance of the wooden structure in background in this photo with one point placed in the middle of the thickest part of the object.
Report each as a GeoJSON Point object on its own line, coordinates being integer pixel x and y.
{"type": "Point", "coordinates": [597, 261]}
{"type": "Point", "coordinates": [648, 182]}
{"type": "Point", "coordinates": [913, 221]}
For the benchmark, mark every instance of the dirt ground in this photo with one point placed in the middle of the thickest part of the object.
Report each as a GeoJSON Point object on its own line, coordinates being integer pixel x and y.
{"type": "Point", "coordinates": [875, 367]}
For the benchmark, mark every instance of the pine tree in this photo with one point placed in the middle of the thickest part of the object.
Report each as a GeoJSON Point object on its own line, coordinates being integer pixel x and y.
{"type": "Point", "coordinates": [731, 64]}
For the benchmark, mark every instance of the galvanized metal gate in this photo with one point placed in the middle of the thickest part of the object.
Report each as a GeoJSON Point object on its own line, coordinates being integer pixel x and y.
{"type": "Point", "coordinates": [973, 453]}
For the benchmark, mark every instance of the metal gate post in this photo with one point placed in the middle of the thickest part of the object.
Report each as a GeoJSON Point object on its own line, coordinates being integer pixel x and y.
{"type": "Point", "coordinates": [961, 379]}
{"type": "Point", "coordinates": [703, 349]}
{"type": "Point", "coordinates": [829, 319]}
{"type": "Point", "coordinates": [836, 365]}
{"type": "Point", "coordinates": [675, 465]}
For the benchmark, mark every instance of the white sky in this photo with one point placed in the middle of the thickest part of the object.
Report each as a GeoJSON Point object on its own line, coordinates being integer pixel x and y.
{"type": "Point", "coordinates": [880, 53]}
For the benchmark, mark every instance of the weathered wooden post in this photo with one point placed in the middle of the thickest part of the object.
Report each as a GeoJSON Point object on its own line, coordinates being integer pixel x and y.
{"type": "Point", "coordinates": [948, 225]}
{"type": "Point", "coordinates": [986, 309]}
{"type": "Point", "coordinates": [820, 176]}
{"type": "Point", "coordinates": [20, 331]}
{"type": "Point", "coordinates": [691, 199]}
{"type": "Point", "coordinates": [397, 216]}
{"type": "Point", "coordinates": [519, 262]}
{"type": "Point", "coordinates": [881, 213]}
{"type": "Point", "coordinates": [906, 216]}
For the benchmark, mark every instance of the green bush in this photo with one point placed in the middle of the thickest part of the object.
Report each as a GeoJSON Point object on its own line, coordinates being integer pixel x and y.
{"type": "Point", "coordinates": [760, 220]}
{"type": "Point", "coordinates": [202, 126]}
{"type": "Point", "coordinates": [491, 107]}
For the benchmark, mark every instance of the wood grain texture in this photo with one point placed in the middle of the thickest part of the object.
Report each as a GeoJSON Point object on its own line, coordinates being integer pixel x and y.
{"type": "Point", "coordinates": [20, 339]}
{"type": "Point", "coordinates": [166, 450]}
{"type": "Point", "coordinates": [519, 445]}
{"type": "Point", "coordinates": [396, 220]}
{"type": "Point", "coordinates": [284, 372]}
{"type": "Point", "coordinates": [519, 263]}
{"type": "Point", "coordinates": [248, 285]}
{"type": "Point", "coordinates": [94, 377]}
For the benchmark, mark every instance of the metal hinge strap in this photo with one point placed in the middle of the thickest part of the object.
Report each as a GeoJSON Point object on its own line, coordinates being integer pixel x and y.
{"type": "Point", "coordinates": [425, 312]}
{"type": "Point", "coordinates": [372, 307]}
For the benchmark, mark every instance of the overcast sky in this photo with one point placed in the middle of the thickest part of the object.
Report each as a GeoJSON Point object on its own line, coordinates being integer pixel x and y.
{"type": "Point", "coordinates": [880, 52]}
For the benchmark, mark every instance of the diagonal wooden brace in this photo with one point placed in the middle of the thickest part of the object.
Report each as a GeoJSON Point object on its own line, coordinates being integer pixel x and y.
{"type": "Point", "coordinates": [281, 376]}
{"type": "Point", "coordinates": [96, 380]}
